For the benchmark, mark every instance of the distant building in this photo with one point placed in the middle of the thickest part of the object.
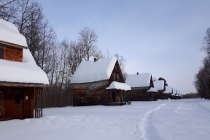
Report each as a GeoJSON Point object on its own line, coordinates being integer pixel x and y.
{"type": "Point", "coordinates": [157, 91]}
{"type": "Point", "coordinates": [21, 80]}
{"type": "Point", "coordinates": [140, 83]}
{"type": "Point", "coordinates": [99, 82]}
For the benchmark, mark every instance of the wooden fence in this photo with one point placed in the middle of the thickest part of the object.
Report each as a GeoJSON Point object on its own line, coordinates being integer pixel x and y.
{"type": "Point", "coordinates": [38, 102]}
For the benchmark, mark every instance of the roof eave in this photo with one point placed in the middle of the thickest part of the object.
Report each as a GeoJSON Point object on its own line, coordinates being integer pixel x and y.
{"type": "Point", "coordinates": [12, 44]}
{"type": "Point", "coordinates": [19, 84]}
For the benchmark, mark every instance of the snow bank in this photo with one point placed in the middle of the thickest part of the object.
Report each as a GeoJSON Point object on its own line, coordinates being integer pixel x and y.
{"type": "Point", "coordinates": [90, 71]}
{"type": "Point", "coordinates": [118, 85]}
{"type": "Point", "coordinates": [9, 33]}
{"type": "Point", "coordinates": [140, 80]}
{"type": "Point", "coordinates": [158, 120]}
{"type": "Point", "coordinates": [22, 72]}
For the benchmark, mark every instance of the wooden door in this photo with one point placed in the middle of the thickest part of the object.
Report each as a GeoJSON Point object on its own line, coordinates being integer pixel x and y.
{"type": "Point", "coordinates": [13, 104]}
{"type": "Point", "coordinates": [18, 104]}
{"type": "Point", "coordinates": [1, 105]}
{"type": "Point", "coordinates": [27, 104]}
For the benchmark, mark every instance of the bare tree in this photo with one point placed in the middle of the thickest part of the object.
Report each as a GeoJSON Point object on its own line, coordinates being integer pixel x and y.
{"type": "Point", "coordinates": [87, 42]}
{"type": "Point", "coordinates": [202, 82]}
{"type": "Point", "coordinates": [8, 9]}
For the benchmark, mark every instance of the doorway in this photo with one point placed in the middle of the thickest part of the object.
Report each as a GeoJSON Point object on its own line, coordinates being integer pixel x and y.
{"type": "Point", "coordinates": [1, 105]}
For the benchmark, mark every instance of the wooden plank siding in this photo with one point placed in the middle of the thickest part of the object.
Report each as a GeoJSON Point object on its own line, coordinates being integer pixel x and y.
{"type": "Point", "coordinates": [13, 53]}
{"type": "Point", "coordinates": [20, 102]}
{"type": "Point", "coordinates": [140, 95]}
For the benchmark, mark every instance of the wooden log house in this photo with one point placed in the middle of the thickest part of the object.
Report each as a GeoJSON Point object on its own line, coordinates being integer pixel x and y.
{"type": "Point", "coordinates": [21, 81]}
{"type": "Point", "coordinates": [99, 82]}
{"type": "Point", "coordinates": [157, 91]}
{"type": "Point", "coordinates": [167, 93]}
{"type": "Point", "coordinates": [140, 83]}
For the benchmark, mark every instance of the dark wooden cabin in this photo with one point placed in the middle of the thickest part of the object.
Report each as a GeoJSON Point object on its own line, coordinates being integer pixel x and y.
{"type": "Point", "coordinates": [139, 83]}
{"type": "Point", "coordinates": [21, 81]}
{"type": "Point", "coordinates": [91, 81]}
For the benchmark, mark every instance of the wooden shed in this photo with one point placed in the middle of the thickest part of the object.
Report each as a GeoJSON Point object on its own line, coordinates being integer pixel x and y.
{"type": "Point", "coordinates": [21, 81]}
{"type": "Point", "coordinates": [91, 81]}
{"type": "Point", "coordinates": [140, 83]}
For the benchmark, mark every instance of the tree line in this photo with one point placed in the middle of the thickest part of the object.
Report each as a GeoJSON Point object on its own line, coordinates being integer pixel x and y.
{"type": "Point", "coordinates": [203, 76]}
{"type": "Point", "coordinates": [58, 59]}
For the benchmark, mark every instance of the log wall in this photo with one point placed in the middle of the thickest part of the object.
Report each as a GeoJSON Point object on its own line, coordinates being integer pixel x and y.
{"type": "Point", "coordinates": [13, 54]}
{"type": "Point", "coordinates": [19, 103]}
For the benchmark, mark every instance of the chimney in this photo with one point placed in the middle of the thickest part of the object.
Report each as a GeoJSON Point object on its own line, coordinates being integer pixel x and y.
{"type": "Point", "coordinates": [137, 73]}
{"type": "Point", "coordinates": [95, 59]}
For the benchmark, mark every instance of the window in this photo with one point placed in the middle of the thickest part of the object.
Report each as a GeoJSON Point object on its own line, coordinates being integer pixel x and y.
{"type": "Point", "coordinates": [1, 52]}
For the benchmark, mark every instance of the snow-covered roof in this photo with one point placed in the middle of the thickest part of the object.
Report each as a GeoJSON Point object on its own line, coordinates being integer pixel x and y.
{"type": "Point", "coordinates": [176, 92]}
{"type": "Point", "coordinates": [22, 72]}
{"type": "Point", "coordinates": [9, 33]}
{"type": "Point", "coordinates": [168, 90]}
{"type": "Point", "coordinates": [140, 80]}
{"type": "Point", "coordinates": [90, 71]}
{"type": "Point", "coordinates": [158, 86]}
{"type": "Point", "coordinates": [119, 85]}
{"type": "Point", "coordinates": [26, 71]}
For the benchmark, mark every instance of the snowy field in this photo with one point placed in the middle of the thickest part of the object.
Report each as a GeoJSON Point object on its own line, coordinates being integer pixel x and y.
{"type": "Point", "coordinates": [158, 120]}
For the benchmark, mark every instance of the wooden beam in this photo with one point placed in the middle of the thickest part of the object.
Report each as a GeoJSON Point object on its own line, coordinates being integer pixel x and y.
{"type": "Point", "coordinates": [12, 44]}
{"type": "Point", "coordinates": [14, 84]}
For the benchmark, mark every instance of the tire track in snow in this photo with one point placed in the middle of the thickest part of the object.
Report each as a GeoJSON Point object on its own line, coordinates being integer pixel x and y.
{"type": "Point", "coordinates": [146, 127]}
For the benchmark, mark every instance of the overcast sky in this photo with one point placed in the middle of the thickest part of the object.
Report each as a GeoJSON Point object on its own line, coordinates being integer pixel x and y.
{"type": "Point", "coordinates": [163, 37]}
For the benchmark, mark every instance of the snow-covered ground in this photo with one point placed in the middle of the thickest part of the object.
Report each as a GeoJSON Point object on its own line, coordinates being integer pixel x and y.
{"type": "Point", "coordinates": [158, 120]}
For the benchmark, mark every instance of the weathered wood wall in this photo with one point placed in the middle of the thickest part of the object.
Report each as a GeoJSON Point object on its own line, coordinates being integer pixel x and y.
{"type": "Point", "coordinates": [95, 93]}
{"type": "Point", "coordinates": [56, 97]}
{"type": "Point", "coordinates": [82, 97]}
{"type": "Point", "coordinates": [140, 95]}
{"type": "Point", "coordinates": [17, 103]}
{"type": "Point", "coordinates": [14, 54]}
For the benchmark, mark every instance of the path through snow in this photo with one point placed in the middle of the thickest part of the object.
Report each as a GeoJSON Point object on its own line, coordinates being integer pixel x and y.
{"type": "Point", "coordinates": [146, 125]}
{"type": "Point", "coordinates": [158, 120]}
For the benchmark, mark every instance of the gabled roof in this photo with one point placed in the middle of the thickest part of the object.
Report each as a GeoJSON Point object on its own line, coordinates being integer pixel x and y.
{"type": "Point", "coordinates": [119, 86]}
{"type": "Point", "coordinates": [141, 80]}
{"type": "Point", "coordinates": [10, 34]}
{"type": "Point", "coordinates": [22, 72]}
{"type": "Point", "coordinates": [158, 86]}
{"type": "Point", "coordinates": [27, 71]}
{"type": "Point", "coordinates": [90, 71]}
